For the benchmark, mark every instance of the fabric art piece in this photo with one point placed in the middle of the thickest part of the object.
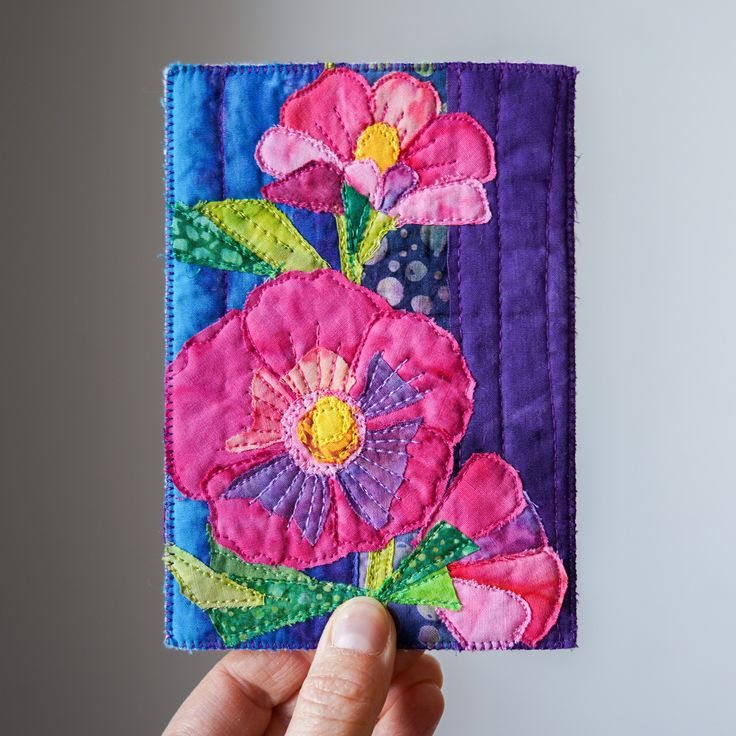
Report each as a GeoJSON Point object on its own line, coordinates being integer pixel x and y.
{"type": "Point", "coordinates": [369, 384]}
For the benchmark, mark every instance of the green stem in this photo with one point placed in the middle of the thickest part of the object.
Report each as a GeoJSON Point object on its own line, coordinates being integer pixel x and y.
{"type": "Point", "coordinates": [347, 259]}
{"type": "Point", "coordinates": [353, 256]}
{"type": "Point", "coordinates": [380, 566]}
{"type": "Point", "coordinates": [378, 225]}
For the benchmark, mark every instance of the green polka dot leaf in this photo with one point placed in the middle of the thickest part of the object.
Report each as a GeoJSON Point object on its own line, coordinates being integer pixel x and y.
{"type": "Point", "coordinates": [290, 596]}
{"type": "Point", "coordinates": [442, 545]}
{"type": "Point", "coordinates": [245, 599]}
{"type": "Point", "coordinates": [197, 240]}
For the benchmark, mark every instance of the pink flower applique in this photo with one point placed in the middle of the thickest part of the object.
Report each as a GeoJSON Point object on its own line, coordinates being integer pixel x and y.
{"type": "Point", "coordinates": [316, 421]}
{"type": "Point", "coordinates": [511, 589]}
{"type": "Point", "coordinates": [389, 142]}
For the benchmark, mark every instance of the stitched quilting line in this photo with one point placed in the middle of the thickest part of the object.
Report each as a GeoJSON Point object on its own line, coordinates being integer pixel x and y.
{"type": "Point", "coordinates": [459, 245]}
{"type": "Point", "coordinates": [223, 184]}
{"type": "Point", "coordinates": [169, 504]}
{"type": "Point", "coordinates": [502, 420]}
{"type": "Point", "coordinates": [547, 319]}
{"type": "Point", "coordinates": [570, 263]}
{"type": "Point", "coordinates": [528, 68]}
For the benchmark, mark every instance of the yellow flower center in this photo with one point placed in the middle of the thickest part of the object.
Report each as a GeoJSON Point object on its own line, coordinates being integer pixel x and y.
{"type": "Point", "coordinates": [329, 430]}
{"type": "Point", "coordinates": [380, 142]}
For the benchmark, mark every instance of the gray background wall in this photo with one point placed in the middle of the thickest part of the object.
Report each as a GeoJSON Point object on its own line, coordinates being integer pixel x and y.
{"type": "Point", "coordinates": [82, 294]}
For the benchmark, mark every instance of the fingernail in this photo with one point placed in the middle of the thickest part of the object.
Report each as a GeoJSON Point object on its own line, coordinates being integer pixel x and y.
{"type": "Point", "coordinates": [360, 625]}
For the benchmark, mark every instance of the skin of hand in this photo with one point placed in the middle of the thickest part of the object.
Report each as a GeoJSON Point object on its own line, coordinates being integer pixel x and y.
{"type": "Point", "coordinates": [354, 684]}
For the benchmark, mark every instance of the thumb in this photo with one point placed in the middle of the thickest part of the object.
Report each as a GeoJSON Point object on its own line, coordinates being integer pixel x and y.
{"type": "Point", "coordinates": [350, 675]}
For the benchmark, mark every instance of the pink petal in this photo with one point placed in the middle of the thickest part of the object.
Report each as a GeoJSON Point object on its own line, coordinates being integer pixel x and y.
{"type": "Point", "coordinates": [427, 472]}
{"type": "Point", "coordinates": [209, 401]}
{"type": "Point", "coordinates": [289, 316]}
{"type": "Point", "coordinates": [455, 203]}
{"type": "Point", "coordinates": [334, 109]}
{"type": "Point", "coordinates": [269, 401]}
{"type": "Point", "coordinates": [258, 536]}
{"type": "Point", "coordinates": [281, 151]}
{"type": "Point", "coordinates": [365, 176]}
{"type": "Point", "coordinates": [485, 494]}
{"type": "Point", "coordinates": [427, 357]}
{"type": "Point", "coordinates": [490, 618]}
{"type": "Point", "coordinates": [451, 147]}
{"type": "Point", "coordinates": [406, 103]}
{"type": "Point", "coordinates": [316, 187]}
{"type": "Point", "coordinates": [319, 369]}
{"type": "Point", "coordinates": [537, 576]}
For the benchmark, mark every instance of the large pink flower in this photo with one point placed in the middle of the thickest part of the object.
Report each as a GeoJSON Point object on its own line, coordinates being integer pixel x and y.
{"type": "Point", "coordinates": [511, 589]}
{"type": "Point", "coordinates": [388, 141]}
{"type": "Point", "coordinates": [316, 421]}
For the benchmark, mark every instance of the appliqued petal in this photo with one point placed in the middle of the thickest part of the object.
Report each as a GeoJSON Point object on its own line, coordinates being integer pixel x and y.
{"type": "Point", "coordinates": [454, 203]}
{"type": "Point", "coordinates": [486, 493]}
{"type": "Point", "coordinates": [537, 576]}
{"type": "Point", "coordinates": [286, 318]}
{"type": "Point", "coordinates": [270, 399]}
{"type": "Point", "coordinates": [365, 177]}
{"type": "Point", "coordinates": [451, 147]}
{"type": "Point", "coordinates": [208, 401]}
{"type": "Point", "coordinates": [406, 103]}
{"type": "Point", "coordinates": [282, 151]}
{"type": "Point", "coordinates": [397, 181]}
{"type": "Point", "coordinates": [316, 186]}
{"type": "Point", "coordinates": [320, 369]}
{"type": "Point", "coordinates": [523, 532]}
{"type": "Point", "coordinates": [490, 618]}
{"type": "Point", "coordinates": [372, 480]}
{"type": "Point", "coordinates": [428, 360]}
{"type": "Point", "coordinates": [283, 489]}
{"type": "Point", "coordinates": [385, 390]}
{"type": "Point", "coordinates": [334, 109]}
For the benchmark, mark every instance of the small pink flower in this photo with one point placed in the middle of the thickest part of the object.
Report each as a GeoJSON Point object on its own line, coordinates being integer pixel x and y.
{"type": "Point", "coordinates": [316, 421]}
{"type": "Point", "coordinates": [388, 141]}
{"type": "Point", "coordinates": [511, 589]}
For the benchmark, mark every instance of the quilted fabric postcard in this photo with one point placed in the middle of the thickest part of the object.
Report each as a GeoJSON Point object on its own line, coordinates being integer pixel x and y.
{"type": "Point", "coordinates": [370, 353]}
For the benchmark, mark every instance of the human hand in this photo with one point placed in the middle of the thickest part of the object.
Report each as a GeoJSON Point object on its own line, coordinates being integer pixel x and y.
{"type": "Point", "coordinates": [353, 684]}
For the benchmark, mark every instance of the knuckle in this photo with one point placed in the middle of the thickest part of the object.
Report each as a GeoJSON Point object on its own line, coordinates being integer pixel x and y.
{"type": "Point", "coordinates": [339, 697]}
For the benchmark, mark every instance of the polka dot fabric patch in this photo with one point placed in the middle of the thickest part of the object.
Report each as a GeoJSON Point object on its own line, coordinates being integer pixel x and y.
{"type": "Point", "coordinates": [369, 384]}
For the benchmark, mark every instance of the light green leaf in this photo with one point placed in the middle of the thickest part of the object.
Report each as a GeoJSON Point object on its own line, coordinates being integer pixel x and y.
{"type": "Point", "coordinates": [437, 590]}
{"type": "Point", "coordinates": [442, 545]}
{"type": "Point", "coordinates": [290, 596]}
{"type": "Point", "coordinates": [204, 586]}
{"type": "Point", "coordinates": [265, 231]}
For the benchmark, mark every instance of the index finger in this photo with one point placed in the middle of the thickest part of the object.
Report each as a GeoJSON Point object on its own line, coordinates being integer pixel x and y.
{"type": "Point", "coordinates": [237, 696]}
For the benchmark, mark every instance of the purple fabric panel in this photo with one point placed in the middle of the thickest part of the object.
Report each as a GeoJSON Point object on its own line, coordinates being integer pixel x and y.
{"type": "Point", "coordinates": [512, 286]}
{"type": "Point", "coordinates": [472, 268]}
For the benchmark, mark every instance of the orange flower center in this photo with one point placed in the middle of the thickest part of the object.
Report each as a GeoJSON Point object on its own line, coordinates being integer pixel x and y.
{"type": "Point", "coordinates": [329, 430]}
{"type": "Point", "coordinates": [380, 142]}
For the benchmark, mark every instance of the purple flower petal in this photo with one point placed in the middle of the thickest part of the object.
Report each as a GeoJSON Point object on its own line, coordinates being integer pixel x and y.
{"type": "Point", "coordinates": [385, 389]}
{"type": "Point", "coordinates": [397, 181]}
{"type": "Point", "coordinates": [372, 480]}
{"type": "Point", "coordinates": [284, 489]}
